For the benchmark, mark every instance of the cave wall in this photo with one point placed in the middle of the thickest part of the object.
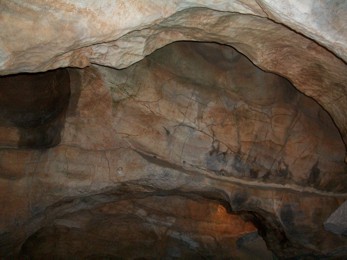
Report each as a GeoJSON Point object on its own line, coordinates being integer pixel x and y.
{"type": "Point", "coordinates": [138, 123]}
{"type": "Point", "coordinates": [148, 227]}
{"type": "Point", "coordinates": [303, 41]}
{"type": "Point", "coordinates": [192, 118]}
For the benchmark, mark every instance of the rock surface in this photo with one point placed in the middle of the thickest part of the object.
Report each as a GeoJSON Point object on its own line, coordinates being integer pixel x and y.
{"type": "Point", "coordinates": [32, 109]}
{"type": "Point", "coordinates": [165, 227]}
{"type": "Point", "coordinates": [117, 34]}
{"type": "Point", "coordinates": [189, 147]}
{"type": "Point", "coordinates": [337, 222]}
{"type": "Point", "coordinates": [193, 120]}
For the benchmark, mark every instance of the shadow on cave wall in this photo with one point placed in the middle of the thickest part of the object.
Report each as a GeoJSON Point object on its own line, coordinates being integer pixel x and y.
{"type": "Point", "coordinates": [32, 108]}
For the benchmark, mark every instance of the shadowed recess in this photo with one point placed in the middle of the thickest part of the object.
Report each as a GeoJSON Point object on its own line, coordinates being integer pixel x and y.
{"type": "Point", "coordinates": [32, 108]}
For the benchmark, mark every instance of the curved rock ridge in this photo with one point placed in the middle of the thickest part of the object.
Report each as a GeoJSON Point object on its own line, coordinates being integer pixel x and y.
{"type": "Point", "coordinates": [91, 23]}
{"type": "Point", "coordinates": [275, 36]}
{"type": "Point", "coordinates": [210, 108]}
{"type": "Point", "coordinates": [157, 139]}
{"type": "Point", "coordinates": [197, 121]}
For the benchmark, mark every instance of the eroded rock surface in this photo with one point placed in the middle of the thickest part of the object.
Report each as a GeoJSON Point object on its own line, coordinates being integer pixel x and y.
{"type": "Point", "coordinates": [304, 41]}
{"type": "Point", "coordinates": [197, 124]}
{"type": "Point", "coordinates": [210, 108]}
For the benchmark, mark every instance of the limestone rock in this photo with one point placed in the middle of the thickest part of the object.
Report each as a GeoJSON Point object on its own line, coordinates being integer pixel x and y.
{"type": "Point", "coordinates": [120, 33]}
{"type": "Point", "coordinates": [321, 21]}
{"type": "Point", "coordinates": [198, 121]}
{"type": "Point", "coordinates": [184, 145]}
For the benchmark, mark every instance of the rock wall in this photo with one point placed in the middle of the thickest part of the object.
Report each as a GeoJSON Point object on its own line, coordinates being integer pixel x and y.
{"type": "Point", "coordinates": [304, 41]}
{"type": "Point", "coordinates": [176, 150]}
{"type": "Point", "coordinates": [191, 119]}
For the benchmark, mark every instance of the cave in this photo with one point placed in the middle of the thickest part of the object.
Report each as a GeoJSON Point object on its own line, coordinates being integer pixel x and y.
{"type": "Point", "coordinates": [186, 130]}
{"type": "Point", "coordinates": [33, 118]}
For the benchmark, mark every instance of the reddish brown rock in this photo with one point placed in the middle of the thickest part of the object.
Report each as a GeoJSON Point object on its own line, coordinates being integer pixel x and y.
{"type": "Point", "coordinates": [170, 226]}
{"type": "Point", "coordinates": [191, 129]}
{"type": "Point", "coordinates": [304, 41]}
{"type": "Point", "coordinates": [187, 151]}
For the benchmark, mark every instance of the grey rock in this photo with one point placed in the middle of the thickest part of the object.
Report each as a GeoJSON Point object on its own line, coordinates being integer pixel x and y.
{"type": "Point", "coordinates": [337, 222]}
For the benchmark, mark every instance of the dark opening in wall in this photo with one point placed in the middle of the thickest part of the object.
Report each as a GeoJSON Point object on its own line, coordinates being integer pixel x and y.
{"type": "Point", "coordinates": [32, 108]}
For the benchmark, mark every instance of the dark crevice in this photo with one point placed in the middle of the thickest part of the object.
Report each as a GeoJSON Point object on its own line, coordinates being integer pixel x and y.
{"type": "Point", "coordinates": [32, 108]}
{"type": "Point", "coordinates": [275, 237]}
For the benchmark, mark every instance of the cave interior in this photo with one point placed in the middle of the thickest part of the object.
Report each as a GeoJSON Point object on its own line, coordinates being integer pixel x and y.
{"type": "Point", "coordinates": [197, 150]}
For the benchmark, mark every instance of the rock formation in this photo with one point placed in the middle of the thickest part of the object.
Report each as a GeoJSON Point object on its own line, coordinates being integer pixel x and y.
{"type": "Point", "coordinates": [145, 130]}
{"type": "Point", "coordinates": [337, 222]}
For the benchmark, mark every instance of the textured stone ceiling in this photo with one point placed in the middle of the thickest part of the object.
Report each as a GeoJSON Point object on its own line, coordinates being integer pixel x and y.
{"type": "Point", "coordinates": [162, 133]}
{"type": "Point", "coordinates": [305, 41]}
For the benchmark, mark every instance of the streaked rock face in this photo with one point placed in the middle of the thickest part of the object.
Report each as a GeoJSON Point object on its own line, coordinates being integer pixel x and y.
{"type": "Point", "coordinates": [185, 151]}
{"type": "Point", "coordinates": [192, 118]}
{"type": "Point", "coordinates": [120, 33]}
{"type": "Point", "coordinates": [210, 108]}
